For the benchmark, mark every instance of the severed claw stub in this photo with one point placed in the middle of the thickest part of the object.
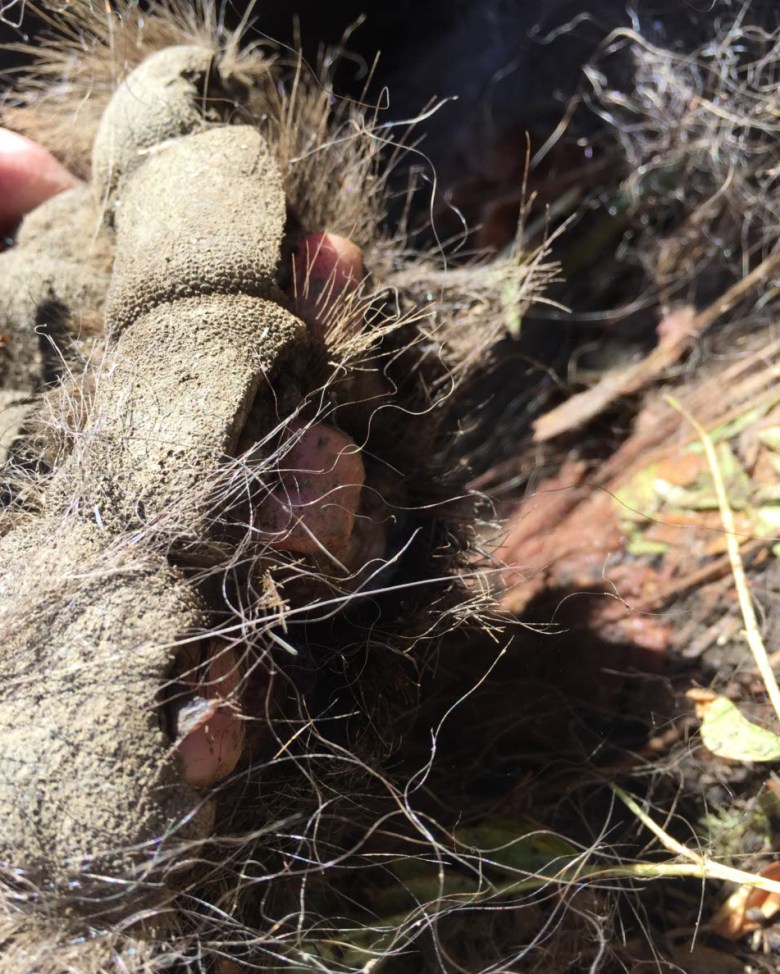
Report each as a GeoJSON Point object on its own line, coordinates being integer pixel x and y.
{"type": "Point", "coordinates": [209, 725]}
{"type": "Point", "coordinates": [29, 175]}
{"type": "Point", "coordinates": [327, 268]}
{"type": "Point", "coordinates": [314, 508]}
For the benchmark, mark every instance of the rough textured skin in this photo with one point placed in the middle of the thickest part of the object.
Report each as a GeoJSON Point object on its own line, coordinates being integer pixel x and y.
{"type": "Point", "coordinates": [59, 269]}
{"type": "Point", "coordinates": [182, 377]}
{"type": "Point", "coordinates": [162, 99]}
{"type": "Point", "coordinates": [91, 791]}
{"type": "Point", "coordinates": [15, 406]}
{"type": "Point", "coordinates": [49, 947]}
{"type": "Point", "coordinates": [219, 214]}
{"type": "Point", "coordinates": [88, 777]}
{"type": "Point", "coordinates": [156, 440]}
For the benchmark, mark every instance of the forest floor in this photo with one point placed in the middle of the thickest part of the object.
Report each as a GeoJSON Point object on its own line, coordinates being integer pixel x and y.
{"type": "Point", "coordinates": [627, 729]}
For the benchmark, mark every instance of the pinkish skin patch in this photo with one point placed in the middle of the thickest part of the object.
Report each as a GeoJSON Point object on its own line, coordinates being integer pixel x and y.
{"type": "Point", "coordinates": [314, 509]}
{"type": "Point", "coordinates": [212, 724]}
{"type": "Point", "coordinates": [29, 175]}
{"type": "Point", "coordinates": [326, 268]}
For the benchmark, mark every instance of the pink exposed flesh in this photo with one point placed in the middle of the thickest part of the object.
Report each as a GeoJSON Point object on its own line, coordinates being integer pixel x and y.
{"type": "Point", "coordinates": [326, 268]}
{"type": "Point", "coordinates": [29, 175]}
{"type": "Point", "coordinates": [315, 506]}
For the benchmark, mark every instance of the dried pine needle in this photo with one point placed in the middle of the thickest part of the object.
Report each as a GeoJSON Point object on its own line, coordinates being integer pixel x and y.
{"type": "Point", "coordinates": [752, 631]}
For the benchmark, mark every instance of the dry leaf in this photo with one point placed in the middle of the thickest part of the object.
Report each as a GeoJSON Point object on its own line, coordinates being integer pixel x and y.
{"type": "Point", "coordinates": [727, 733]}
{"type": "Point", "coordinates": [748, 909]}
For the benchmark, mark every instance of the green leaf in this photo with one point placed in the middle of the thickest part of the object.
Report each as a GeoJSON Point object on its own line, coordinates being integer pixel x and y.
{"type": "Point", "coordinates": [640, 547]}
{"type": "Point", "coordinates": [726, 732]}
{"type": "Point", "coordinates": [637, 499]}
{"type": "Point", "coordinates": [770, 437]}
{"type": "Point", "coordinates": [769, 517]}
{"type": "Point", "coordinates": [517, 847]}
{"type": "Point", "coordinates": [407, 893]}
